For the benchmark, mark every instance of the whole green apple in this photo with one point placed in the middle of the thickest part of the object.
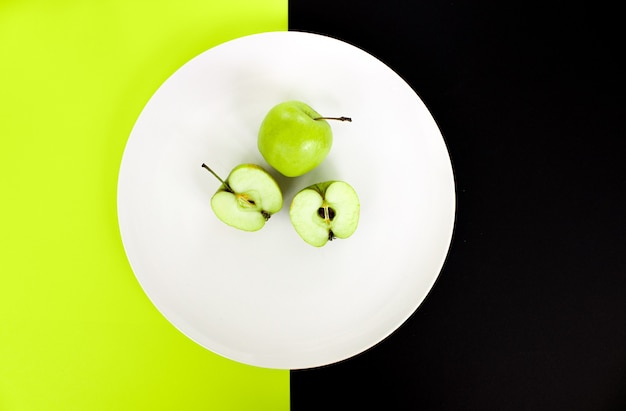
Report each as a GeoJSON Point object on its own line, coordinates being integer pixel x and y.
{"type": "Point", "coordinates": [294, 138]}
{"type": "Point", "coordinates": [325, 211]}
{"type": "Point", "coordinates": [247, 198]}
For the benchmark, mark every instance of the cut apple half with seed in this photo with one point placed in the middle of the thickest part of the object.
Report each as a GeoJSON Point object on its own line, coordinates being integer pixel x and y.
{"type": "Point", "coordinates": [325, 211]}
{"type": "Point", "coordinates": [247, 198]}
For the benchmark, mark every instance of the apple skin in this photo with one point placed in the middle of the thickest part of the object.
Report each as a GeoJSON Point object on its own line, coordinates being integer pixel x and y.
{"type": "Point", "coordinates": [292, 141]}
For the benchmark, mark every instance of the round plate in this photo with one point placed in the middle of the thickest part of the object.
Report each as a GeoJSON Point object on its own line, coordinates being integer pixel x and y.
{"type": "Point", "coordinates": [267, 298]}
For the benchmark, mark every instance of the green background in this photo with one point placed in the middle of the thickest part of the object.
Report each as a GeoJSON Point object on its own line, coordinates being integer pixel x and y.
{"type": "Point", "coordinates": [76, 330]}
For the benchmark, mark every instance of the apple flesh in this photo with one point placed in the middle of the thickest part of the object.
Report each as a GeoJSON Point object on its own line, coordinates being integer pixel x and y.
{"type": "Point", "coordinates": [247, 198]}
{"type": "Point", "coordinates": [294, 139]}
{"type": "Point", "coordinates": [325, 211]}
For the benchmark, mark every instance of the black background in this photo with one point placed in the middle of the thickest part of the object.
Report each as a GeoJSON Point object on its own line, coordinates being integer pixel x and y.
{"type": "Point", "coordinates": [529, 311]}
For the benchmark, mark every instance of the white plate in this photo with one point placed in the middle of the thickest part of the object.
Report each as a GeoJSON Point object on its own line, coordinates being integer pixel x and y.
{"type": "Point", "coordinates": [267, 298]}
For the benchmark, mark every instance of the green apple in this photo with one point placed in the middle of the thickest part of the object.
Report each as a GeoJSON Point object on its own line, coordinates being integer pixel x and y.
{"type": "Point", "coordinates": [294, 138]}
{"type": "Point", "coordinates": [325, 211]}
{"type": "Point", "coordinates": [247, 198]}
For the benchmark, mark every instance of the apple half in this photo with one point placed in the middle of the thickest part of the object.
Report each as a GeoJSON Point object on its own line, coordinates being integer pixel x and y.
{"type": "Point", "coordinates": [247, 198]}
{"type": "Point", "coordinates": [325, 211]}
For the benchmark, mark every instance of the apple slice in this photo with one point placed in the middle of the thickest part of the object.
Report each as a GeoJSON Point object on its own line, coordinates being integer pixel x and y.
{"type": "Point", "coordinates": [248, 197]}
{"type": "Point", "coordinates": [325, 211]}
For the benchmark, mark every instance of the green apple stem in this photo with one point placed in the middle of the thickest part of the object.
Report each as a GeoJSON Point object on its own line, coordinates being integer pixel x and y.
{"type": "Point", "coordinates": [348, 119]}
{"type": "Point", "coordinates": [331, 235]}
{"type": "Point", "coordinates": [219, 178]}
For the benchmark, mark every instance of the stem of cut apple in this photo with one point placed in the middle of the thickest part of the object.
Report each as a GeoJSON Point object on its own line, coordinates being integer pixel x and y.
{"type": "Point", "coordinates": [348, 119]}
{"type": "Point", "coordinates": [219, 178]}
